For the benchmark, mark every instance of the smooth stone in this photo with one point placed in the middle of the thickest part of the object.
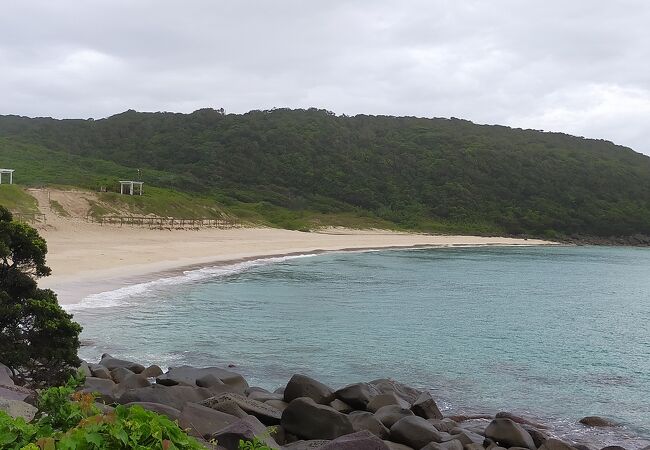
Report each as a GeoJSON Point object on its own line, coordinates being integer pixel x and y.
{"type": "Point", "coordinates": [595, 421]}
{"type": "Point", "coordinates": [556, 444]}
{"type": "Point", "coordinates": [113, 363]}
{"type": "Point", "coordinates": [152, 371]}
{"type": "Point", "coordinates": [246, 429]}
{"type": "Point", "coordinates": [518, 419]}
{"type": "Point", "coordinates": [280, 405]}
{"type": "Point", "coordinates": [467, 437]}
{"type": "Point", "coordinates": [425, 406]}
{"type": "Point", "coordinates": [449, 445]}
{"type": "Point", "coordinates": [306, 445]}
{"type": "Point", "coordinates": [390, 414]}
{"type": "Point", "coordinates": [407, 393]}
{"type": "Point", "coordinates": [362, 440]}
{"type": "Point", "coordinates": [509, 434]}
{"type": "Point", "coordinates": [252, 389]}
{"type": "Point", "coordinates": [304, 386]}
{"type": "Point", "coordinates": [362, 420]}
{"type": "Point", "coordinates": [389, 398]}
{"type": "Point", "coordinates": [120, 373]}
{"type": "Point", "coordinates": [174, 396]}
{"type": "Point", "coordinates": [105, 389]}
{"type": "Point", "coordinates": [310, 420]}
{"type": "Point", "coordinates": [414, 431]}
{"type": "Point", "coordinates": [340, 406]}
{"type": "Point", "coordinates": [12, 392]}
{"type": "Point", "coordinates": [159, 408]}
{"type": "Point", "coordinates": [264, 396]}
{"type": "Point", "coordinates": [357, 395]}
{"type": "Point", "coordinates": [202, 421]}
{"type": "Point", "coordinates": [132, 381]}
{"type": "Point", "coordinates": [17, 408]}
{"type": "Point", "coordinates": [84, 369]}
{"type": "Point", "coordinates": [189, 375]}
{"type": "Point", "coordinates": [101, 372]}
{"type": "Point", "coordinates": [539, 437]}
{"type": "Point", "coordinates": [263, 411]}
{"type": "Point", "coordinates": [445, 425]}
{"type": "Point", "coordinates": [395, 446]}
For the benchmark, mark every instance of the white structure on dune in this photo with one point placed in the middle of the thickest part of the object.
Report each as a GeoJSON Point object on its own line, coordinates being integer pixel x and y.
{"type": "Point", "coordinates": [11, 175]}
{"type": "Point", "coordinates": [129, 185]}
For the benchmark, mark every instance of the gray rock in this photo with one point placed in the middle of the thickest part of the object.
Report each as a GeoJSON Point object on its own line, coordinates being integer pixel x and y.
{"type": "Point", "coordinates": [449, 445]}
{"type": "Point", "coordinates": [425, 406]}
{"type": "Point", "coordinates": [113, 363]}
{"type": "Point", "coordinates": [415, 432]}
{"type": "Point", "coordinates": [445, 425]}
{"type": "Point", "coordinates": [245, 429]}
{"type": "Point", "coordinates": [340, 406]}
{"type": "Point", "coordinates": [174, 396]}
{"type": "Point", "coordinates": [159, 408]}
{"type": "Point", "coordinates": [362, 440]}
{"type": "Point", "coordinates": [85, 369]}
{"type": "Point", "coordinates": [101, 372]}
{"type": "Point", "coordinates": [474, 447]}
{"type": "Point", "coordinates": [131, 381]}
{"type": "Point", "coordinates": [264, 412]}
{"type": "Point", "coordinates": [539, 437]}
{"type": "Point", "coordinates": [509, 434]}
{"type": "Point", "coordinates": [595, 421]}
{"type": "Point", "coordinates": [17, 408]}
{"type": "Point", "coordinates": [357, 395]}
{"type": "Point", "coordinates": [556, 444]}
{"type": "Point", "coordinates": [104, 389]}
{"type": "Point", "coordinates": [306, 445]}
{"type": "Point", "coordinates": [5, 376]}
{"type": "Point", "coordinates": [229, 407]}
{"type": "Point", "coordinates": [152, 371]}
{"type": "Point", "coordinates": [303, 386]}
{"type": "Point", "coordinates": [395, 446]}
{"type": "Point", "coordinates": [467, 437]}
{"type": "Point", "coordinates": [390, 398]}
{"type": "Point", "coordinates": [201, 421]}
{"type": "Point", "coordinates": [120, 373]}
{"type": "Point", "coordinates": [310, 420]}
{"type": "Point", "coordinates": [280, 405]}
{"type": "Point", "coordinates": [613, 447]}
{"type": "Point", "coordinates": [362, 420]}
{"type": "Point", "coordinates": [252, 389]}
{"type": "Point", "coordinates": [189, 375]}
{"type": "Point", "coordinates": [11, 392]}
{"type": "Point", "coordinates": [518, 419]}
{"type": "Point", "coordinates": [403, 391]}
{"type": "Point", "coordinates": [264, 396]}
{"type": "Point", "coordinates": [390, 414]}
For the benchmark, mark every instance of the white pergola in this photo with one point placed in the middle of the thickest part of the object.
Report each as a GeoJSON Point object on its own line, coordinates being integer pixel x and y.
{"type": "Point", "coordinates": [129, 185]}
{"type": "Point", "coordinates": [7, 171]}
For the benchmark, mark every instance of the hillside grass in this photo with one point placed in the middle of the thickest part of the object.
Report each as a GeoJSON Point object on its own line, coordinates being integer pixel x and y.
{"type": "Point", "coordinates": [15, 199]}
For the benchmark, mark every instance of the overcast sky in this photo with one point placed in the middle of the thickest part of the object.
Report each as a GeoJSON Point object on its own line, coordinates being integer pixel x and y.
{"type": "Point", "coordinates": [577, 66]}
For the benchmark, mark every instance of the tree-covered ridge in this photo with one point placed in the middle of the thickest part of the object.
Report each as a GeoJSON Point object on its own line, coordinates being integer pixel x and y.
{"type": "Point", "coordinates": [411, 171]}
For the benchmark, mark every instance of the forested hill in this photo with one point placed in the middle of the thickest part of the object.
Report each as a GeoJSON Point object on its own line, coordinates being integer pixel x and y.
{"type": "Point", "coordinates": [430, 174]}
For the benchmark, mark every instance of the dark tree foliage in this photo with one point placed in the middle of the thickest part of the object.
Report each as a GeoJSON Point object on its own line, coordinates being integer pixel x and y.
{"type": "Point", "coordinates": [403, 169]}
{"type": "Point", "coordinates": [38, 339]}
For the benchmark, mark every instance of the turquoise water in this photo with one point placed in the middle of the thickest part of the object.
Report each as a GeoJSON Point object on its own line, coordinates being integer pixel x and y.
{"type": "Point", "coordinates": [554, 332]}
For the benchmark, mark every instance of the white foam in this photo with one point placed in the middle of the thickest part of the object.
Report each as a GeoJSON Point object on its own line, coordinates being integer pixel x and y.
{"type": "Point", "coordinates": [123, 296]}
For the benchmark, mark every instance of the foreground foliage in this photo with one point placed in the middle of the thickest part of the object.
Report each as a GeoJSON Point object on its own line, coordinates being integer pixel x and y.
{"type": "Point", "coordinates": [70, 420]}
{"type": "Point", "coordinates": [38, 339]}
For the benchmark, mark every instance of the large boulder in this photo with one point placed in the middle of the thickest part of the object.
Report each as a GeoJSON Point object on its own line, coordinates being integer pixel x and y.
{"type": "Point", "coordinates": [425, 406]}
{"type": "Point", "coordinates": [245, 429]}
{"type": "Point", "coordinates": [449, 445]}
{"type": "Point", "coordinates": [445, 425]}
{"type": "Point", "coordinates": [596, 421]}
{"type": "Point", "coordinates": [303, 386]}
{"type": "Point", "coordinates": [306, 445]}
{"type": "Point", "coordinates": [518, 419]}
{"type": "Point", "coordinates": [264, 412]}
{"type": "Point", "coordinates": [390, 398]}
{"type": "Point", "coordinates": [6, 377]}
{"type": "Point", "coordinates": [507, 433]}
{"type": "Point", "coordinates": [113, 363]}
{"type": "Point", "coordinates": [362, 440]}
{"type": "Point", "coordinates": [120, 373]}
{"type": "Point", "coordinates": [357, 395]}
{"type": "Point", "coordinates": [539, 437]}
{"type": "Point", "coordinates": [11, 392]}
{"type": "Point", "coordinates": [403, 391]}
{"type": "Point", "coordinates": [310, 420]}
{"type": "Point", "coordinates": [105, 389]}
{"type": "Point", "coordinates": [84, 368]}
{"type": "Point", "coordinates": [415, 432]}
{"type": "Point", "coordinates": [340, 406]}
{"type": "Point", "coordinates": [17, 408]}
{"type": "Point", "coordinates": [395, 446]}
{"type": "Point", "coordinates": [362, 420]}
{"type": "Point", "coordinates": [280, 405]}
{"type": "Point", "coordinates": [467, 437]}
{"type": "Point", "coordinates": [200, 421]}
{"type": "Point", "coordinates": [556, 444]}
{"type": "Point", "coordinates": [229, 407]}
{"type": "Point", "coordinates": [390, 414]}
{"type": "Point", "coordinates": [264, 396]}
{"type": "Point", "coordinates": [174, 396]}
{"type": "Point", "coordinates": [131, 381]}
{"type": "Point", "coordinates": [152, 371]}
{"type": "Point", "coordinates": [159, 408]}
{"type": "Point", "coordinates": [101, 372]}
{"type": "Point", "coordinates": [189, 375]}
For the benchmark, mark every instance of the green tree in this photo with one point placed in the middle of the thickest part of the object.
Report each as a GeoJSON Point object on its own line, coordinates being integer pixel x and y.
{"type": "Point", "coordinates": [38, 339]}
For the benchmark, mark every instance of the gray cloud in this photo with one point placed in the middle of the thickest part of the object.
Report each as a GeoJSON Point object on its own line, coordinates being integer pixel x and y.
{"type": "Point", "coordinates": [581, 67]}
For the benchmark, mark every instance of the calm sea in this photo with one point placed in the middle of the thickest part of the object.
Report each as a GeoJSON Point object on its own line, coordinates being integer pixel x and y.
{"type": "Point", "coordinates": [556, 333]}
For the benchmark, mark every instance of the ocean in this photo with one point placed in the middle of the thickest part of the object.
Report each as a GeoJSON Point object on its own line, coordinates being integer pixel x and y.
{"type": "Point", "coordinates": [554, 333]}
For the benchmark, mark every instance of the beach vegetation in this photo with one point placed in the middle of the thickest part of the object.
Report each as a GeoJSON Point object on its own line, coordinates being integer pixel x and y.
{"type": "Point", "coordinates": [38, 339]}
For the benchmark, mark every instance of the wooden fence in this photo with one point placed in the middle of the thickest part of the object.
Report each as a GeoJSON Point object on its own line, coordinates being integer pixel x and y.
{"type": "Point", "coordinates": [30, 217]}
{"type": "Point", "coordinates": [165, 222]}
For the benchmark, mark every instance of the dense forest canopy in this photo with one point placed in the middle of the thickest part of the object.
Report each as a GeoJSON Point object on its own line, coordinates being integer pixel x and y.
{"type": "Point", "coordinates": [407, 170]}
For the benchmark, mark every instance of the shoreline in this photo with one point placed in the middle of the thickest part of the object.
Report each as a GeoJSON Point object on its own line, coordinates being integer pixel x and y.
{"type": "Point", "coordinates": [89, 259]}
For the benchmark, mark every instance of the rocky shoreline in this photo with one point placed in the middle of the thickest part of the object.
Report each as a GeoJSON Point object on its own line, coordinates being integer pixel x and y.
{"type": "Point", "coordinates": [216, 404]}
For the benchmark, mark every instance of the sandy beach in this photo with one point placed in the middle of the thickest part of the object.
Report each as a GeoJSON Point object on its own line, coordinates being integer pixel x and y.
{"type": "Point", "coordinates": [89, 258]}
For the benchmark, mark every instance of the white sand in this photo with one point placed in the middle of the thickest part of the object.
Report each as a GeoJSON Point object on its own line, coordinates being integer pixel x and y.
{"type": "Point", "coordinates": [89, 258]}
